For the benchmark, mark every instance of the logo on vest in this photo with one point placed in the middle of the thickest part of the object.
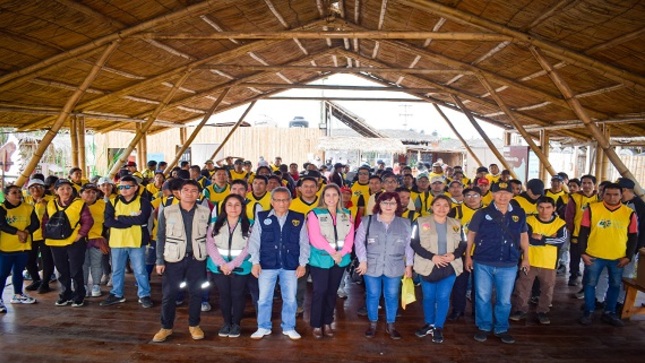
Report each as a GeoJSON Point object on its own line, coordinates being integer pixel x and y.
{"type": "Point", "coordinates": [604, 223]}
{"type": "Point", "coordinates": [295, 222]}
{"type": "Point", "coordinates": [425, 227]}
{"type": "Point", "coordinates": [488, 217]}
{"type": "Point", "coordinates": [267, 222]}
{"type": "Point", "coordinates": [515, 219]}
{"type": "Point", "coordinates": [455, 229]}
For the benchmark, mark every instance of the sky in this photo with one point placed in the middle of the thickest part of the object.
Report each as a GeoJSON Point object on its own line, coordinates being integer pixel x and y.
{"type": "Point", "coordinates": [381, 115]}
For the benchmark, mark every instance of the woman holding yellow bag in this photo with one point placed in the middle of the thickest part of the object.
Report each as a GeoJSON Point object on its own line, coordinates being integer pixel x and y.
{"type": "Point", "coordinates": [436, 240]}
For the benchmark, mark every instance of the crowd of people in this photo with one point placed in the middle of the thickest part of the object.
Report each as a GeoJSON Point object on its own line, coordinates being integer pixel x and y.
{"type": "Point", "coordinates": [247, 230]}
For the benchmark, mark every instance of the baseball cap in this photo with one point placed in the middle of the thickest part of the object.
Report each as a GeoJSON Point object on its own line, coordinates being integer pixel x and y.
{"type": "Point", "coordinates": [131, 163]}
{"type": "Point", "coordinates": [502, 187]}
{"type": "Point", "coordinates": [436, 179]}
{"type": "Point", "coordinates": [483, 181]}
{"type": "Point", "coordinates": [209, 162]}
{"type": "Point", "coordinates": [482, 169]}
{"type": "Point", "coordinates": [89, 186]}
{"type": "Point", "coordinates": [60, 182]}
{"type": "Point", "coordinates": [345, 190]}
{"type": "Point", "coordinates": [34, 182]}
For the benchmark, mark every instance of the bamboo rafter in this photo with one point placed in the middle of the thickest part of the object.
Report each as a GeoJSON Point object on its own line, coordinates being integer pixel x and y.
{"type": "Point", "coordinates": [374, 35]}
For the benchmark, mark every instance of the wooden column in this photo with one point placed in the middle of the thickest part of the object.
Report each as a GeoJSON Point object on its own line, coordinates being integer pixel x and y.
{"type": "Point", "coordinates": [490, 144]}
{"type": "Point", "coordinates": [80, 124]}
{"type": "Point", "coordinates": [544, 145]}
{"type": "Point", "coordinates": [69, 106]}
{"type": "Point", "coordinates": [74, 140]}
{"type": "Point", "coordinates": [507, 138]}
{"type": "Point", "coordinates": [452, 127]}
{"type": "Point", "coordinates": [144, 152]}
{"type": "Point", "coordinates": [185, 143]}
{"type": "Point", "coordinates": [146, 126]}
{"type": "Point", "coordinates": [577, 108]}
{"type": "Point", "coordinates": [140, 157]}
{"type": "Point", "coordinates": [598, 162]}
{"type": "Point", "coordinates": [605, 164]}
{"type": "Point", "coordinates": [230, 133]}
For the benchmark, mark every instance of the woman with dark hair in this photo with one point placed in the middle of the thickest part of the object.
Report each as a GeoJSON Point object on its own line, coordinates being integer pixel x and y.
{"type": "Point", "coordinates": [227, 247]}
{"type": "Point", "coordinates": [383, 250]}
{"type": "Point", "coordinates": [437, 242]}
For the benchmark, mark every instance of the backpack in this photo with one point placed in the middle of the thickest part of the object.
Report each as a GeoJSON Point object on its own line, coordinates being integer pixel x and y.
{"type": "Point", "coordinates": [58, 226]}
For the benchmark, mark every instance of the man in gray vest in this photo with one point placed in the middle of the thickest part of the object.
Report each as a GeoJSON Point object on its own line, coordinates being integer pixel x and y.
{"type": "Point", "coordinates": [181, 258]}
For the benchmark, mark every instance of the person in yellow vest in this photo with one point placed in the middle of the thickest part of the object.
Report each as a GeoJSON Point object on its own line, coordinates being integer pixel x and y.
{"type": "Point", "coordinates": [528, 200]}
{"type": "Point", "coordinates": [149, 173]}
{"type": "Point", "coordinates": [516, 186]}
{"type": "Point", "coordinates": [437, 171]}
{"type": "Point", "coordinates": [437, 187]}
{"type": "Point", "coordinates": [209, 165]}
{"type": "Point", "coordinates": [196, 174]}
{"type": "Point", "coordinates": [494, 174]}
{"type": "Point", "coordinates": [405, 196]}
{"type": "Point", "coordinates": [219, 189]}
{"type": "Point", "coordinates": [18, 221]}
{"type": "Point", "coordinates": [131, 167]}
{"type": "Point", "coordinates": [389, 182]}
{"type": "Point", "coordinates": [238, 171]}
{"type": "Point", "coordinates": [558, 194]}
{"type": "Point", "coordinates": [578, 203]}
{"type": "Point", "coordinates": [276, 165]}
{"type": "Point", "coordinates": [127, 218]}
{"type": "Point", "coordinates": [273, 182]}
{"type": "Point", "coordinates": [155, 186]}
{"type": "Point", "coordinates": [68, 250]}
{"type": "Point", "coordinates": [259, 192]}
{"type": "Point", "coordinates": [96, 243]}
{"type": "Point", "coordinates": [38, 199]}
{"type": "Point", "coordinates": [361, 189]}
{"type": "Point", "coordinates": [484, 185]}
{"type": "Point", "coordinates": [76, 177]}
{"type": "Point", "coordinates": [608, 237]}
{"type": "Point", "coordinates": [181, 258]}
{"type": "Point", "coordinates": [547, 233]}
{"type": "Point", "coordinates": [456, 192]}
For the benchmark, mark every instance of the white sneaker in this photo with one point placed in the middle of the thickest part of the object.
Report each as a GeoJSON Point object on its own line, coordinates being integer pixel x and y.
{"type": "Point", "coordinates": [22, 299]}
{"type": "Point", "coordinates": [96, 291]}
{"type": "Point", "coordinates": [109, 283]}
{"type": "Point", "coordinates": [261, 333]}
{"type": "Point", "coordinates": [206, 306]}
{"type": "Point", "coordinates": [341, 293]}
{"type": "Point", "coordinates": [292, 334]}
{"type": "Point", "coordinates": [3, 309]}
{"type": "Point", "coordinates": [105, 279]}
{"type": "Point", "coordinates": [88, 291]}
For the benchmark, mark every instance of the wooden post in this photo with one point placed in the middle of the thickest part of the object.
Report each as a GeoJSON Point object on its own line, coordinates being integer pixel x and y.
{"type": "Point", "coordinates": [544, 145]}
{"type": "Point", "coordinates": [598, 172]}
{"type": "Point", "coordinates": [144, 152]}
{"type": "Point", "coordinates": [490, 144]}
{"type": "Point", "coordinates": [577, 108]}
{"type": "Point", "coordinates": [69, 105]}
{"type": "Point", "coordinates": [139, 147]}
{"type": "Point", "coordinates": [230, 133]}
{"type": "Point", "coordinates": [80, 124]}
{"type": "Point", "coordinates": [74, 140]}
{"type": "Point", "coordinates": [507, 138]}
{"type": "Point", "coordinates": [147, 124]}
{"type": "Point", "coordinates": [605, 166]}
{"type": "Point", "coordinates": [182, 135]}
{"type": "Point", "coordinates": [452, 127]}
{"type": "Point", "coordinates": [185, 143]}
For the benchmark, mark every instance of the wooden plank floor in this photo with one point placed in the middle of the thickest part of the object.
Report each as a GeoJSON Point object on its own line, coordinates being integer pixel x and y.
{"type": "Point", "coordinates": [123, 333]}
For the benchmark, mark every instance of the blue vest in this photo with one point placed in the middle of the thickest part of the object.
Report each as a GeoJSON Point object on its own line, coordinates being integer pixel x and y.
{"type": "Point", "coordinates": [494, 244]}
{"type": "Point", "coordinates": [280, 249]}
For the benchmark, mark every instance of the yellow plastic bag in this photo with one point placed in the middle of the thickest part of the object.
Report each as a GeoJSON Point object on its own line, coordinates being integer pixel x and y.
{"type": "Point", "coordinates": [407, 292]}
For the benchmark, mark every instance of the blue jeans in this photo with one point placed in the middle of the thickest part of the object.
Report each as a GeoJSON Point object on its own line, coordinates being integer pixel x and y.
{"type": "Point", "coordinates": [288, 287]}
{"type": "Point", "coordinates": [391, 288]}
{"type": "Point", "coordinates": [137, 262]}
{"type": "Point", "coordinates": [12, 263]}
{"type": "Point", "coordinates": [592, 274]}
{"type": "Point", "coordinates": [436, 300]}
{"type": "Point", "coordinates": [487, 278]}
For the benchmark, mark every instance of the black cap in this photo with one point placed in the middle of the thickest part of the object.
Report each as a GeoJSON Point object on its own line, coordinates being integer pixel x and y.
{"type": "Point", "coordinates": [536, 186]}
{"type": "Point", "coordinates": [61, 181]}
{"type": "Point", "coordinates": [502, 186]}
{"type": "Point", "coordinates": [472, 190]}
{"type": "Point", "coordinates": [89, 186]}
{"type": "Point", "coordinates": [482, 169]}
{"type": "Point", "coordinates": [626, 183]}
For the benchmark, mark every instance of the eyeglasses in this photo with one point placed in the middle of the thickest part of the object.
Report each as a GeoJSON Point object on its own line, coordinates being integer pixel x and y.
{"type": "Point", "coordinates": [389, 204]}
{"type": "Point", "coordinates": [281, 200]}
{"type": "Point", "coordinates": [472, 196]}
{"type": "Point", "coordinates": [126, 187]}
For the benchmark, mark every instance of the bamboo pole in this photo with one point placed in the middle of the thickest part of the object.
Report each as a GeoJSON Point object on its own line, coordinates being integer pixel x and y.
{"type": "Point", "coordinates": [182, 135]}
{"type": "Point", "coordinates": [342, 69]}
{"type": "Point", "coordinates": [149, 122]}
{"type": "Point", "coordinates": [604, 166]}
{"type": "Point", "coordinates": [490, 144]}
{"type": "Point", "coordinates": [185, 143]}
{"type": "Point", "coordinates": [598, 172]}
{"type": "Point", "coordinates": [454, 130]}
{"type": "Point", "coordinates": [577, 108]}
{"type": "Point", "coordinates": [230, 133]}
{"type": "Point", "coordinates": [74, 140]}
{"type": "Point", "coordinates": [377, 34]}
{"type": "Point", "coordinates": [139, 148]}
{"type": "Point", "coordinates": [69, 105]}
{"type": "Point", "coordinates": [545, 148]}
{"type": "Point", "coordinates": [544, 159]}
{"type": "Point", "coordinates": [80, 124]}
{"type": "Point", "coordinates": [337, 87]}
{"type": "Point", "coordinates": [314, 98]}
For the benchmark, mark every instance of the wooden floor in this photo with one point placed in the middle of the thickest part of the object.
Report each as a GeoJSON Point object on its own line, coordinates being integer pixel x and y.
{"type": "Point", "coordinates": [123, 333]}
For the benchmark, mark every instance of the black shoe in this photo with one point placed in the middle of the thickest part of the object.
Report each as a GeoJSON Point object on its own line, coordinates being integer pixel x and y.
{"type": "Point", "coordinates": [371, 330]}
{"type": "Point", "coordinates": [455, 315]}
{"type": "Point", "coordinates": [112, 299]}
{"type": "Point", "coordinates": [585, 319]}
{"type": "Point", "coordinates": [599, 305]}
{"type": "Point", "coordinates": [390, 329]}
{"type": "Point", "coordinates": [437, 335]}
{"type": "Point", "coordinates": [235, 331]}
{"type": "Point", "coordinates": [534, 300]}
{"type": "Point", "coordinates": [573, 281]}
{"type": "Point", "coordinates": [362, 311]}
{"type": "Point", "coordinates": [33, 286]}
{"type": "Point", "coordinates": [62, 302]}
{"type": "Point", "coordinates": [612, 319]}
{"type": "Point", "coordinates": [543, 319]}
{"type": "Point", "coordinates": [78, 303]}
{"type": "Point", "coordinates": [517, 316]}
{"type": "Point", "coordinates": [225, 331]}
{"type": "Point", "coordinates": [505, 337]}
{"type": "Point", "coordinates": [146, 302]}
{"type": "Point", "coordinates": [481, 336]}
{"type": "Point", "coordinates": [44, 288]}
{"type": "Point", "coordinates": [424, 330]}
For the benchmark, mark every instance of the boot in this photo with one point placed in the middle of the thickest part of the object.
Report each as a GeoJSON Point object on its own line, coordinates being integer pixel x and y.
{"type": "Point", "coordinates": [390, 329]}
{"type": "Point", "coordinates": [371, 330]}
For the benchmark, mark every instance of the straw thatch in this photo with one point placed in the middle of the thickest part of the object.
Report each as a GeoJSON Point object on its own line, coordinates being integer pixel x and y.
{"type": "Point", "coordinates": [48, 49]}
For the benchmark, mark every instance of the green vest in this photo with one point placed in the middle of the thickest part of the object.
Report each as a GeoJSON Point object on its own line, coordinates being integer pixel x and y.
{"type": "Point", "coordinates": [334, 234]}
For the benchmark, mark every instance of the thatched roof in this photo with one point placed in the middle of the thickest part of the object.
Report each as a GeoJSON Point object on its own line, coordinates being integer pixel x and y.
{"type": "Point", "coordinates": [435, 50]}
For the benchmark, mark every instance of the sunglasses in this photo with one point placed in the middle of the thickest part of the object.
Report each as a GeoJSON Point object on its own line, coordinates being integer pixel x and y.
{"type": "Point", "coordinates": [126, 187]}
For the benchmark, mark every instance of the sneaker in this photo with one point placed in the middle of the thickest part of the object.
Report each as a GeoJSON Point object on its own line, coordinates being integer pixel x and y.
{"type": "Point", "coordinates": [481, 336]}
{"type": "Point", "coordinates": [235, 331]}
{"type": "Point", "coordinates": [437, 335]}
{"type": "Point", "coordinates": [424, 330]}
{"type": "Point", "coordinates": [3, 309]}
{"type": "Point", "coordinates": [105, 279]}
{"type": "Point", "coordinates": [260, 333]}
{"type": "Point", "coordinates": [179, 302]}
{"type": "Point", "coordinates": [22, 299]}
{"type": "Point", "coordinates": [225, 331]}
{"type": "Point", "coordinates": [580, 294]}
{"type": "Point", "coordinates": [585, 319]}
{"type": "Point", "coordinates": [543, 319]}
{"type": "Point", "coordinates": [88, 291]}
{"type": "Point", "coordinates": [342, 294]}
{"type": "Point", "coordinates": [206, 306]}
{"type": "Point", "coordinates": [573, 281]}
{"type": "Point", "coordinates": [78, 303]}
{"type": "Point", "coordinates": [455, 315]}
{"type": "Point", "coordinates": [146, 302]}
{"type": "Point", "coordinates": [362, 311]}
{"type": "Point", "coordinates": [161, 335]}
{"type": "Point", "coordinates": [44, 288]}
{"type": "Point", "coordinates": [599, 305]}
{"type": "Point", "coordinates": [612, 319]}
{"type": "Point", "coordinates": [33, 286]}
{"type": "Point", "coordinates": [96, 290]}
{"type": "Point", "coordinates": [195, 332]}
{"type": "Point", "coordinates": [54, 278]}
{"type": "Point", "coordinates": [505, 337]}
{"type": "Point", "coordinates": [26, 275]}
{"type": "Point", "coordinates": [112, 299]}
{"type": "Point", "coordinates": [292, 334]}
{"type": "Point", "coordinates": [62, 302]}
{"type": "Point", "coordinates": [517, 316]}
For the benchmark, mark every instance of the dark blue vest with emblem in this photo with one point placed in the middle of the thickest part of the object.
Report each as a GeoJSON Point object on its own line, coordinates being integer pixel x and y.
{"type": "Point", "coordinates": [497, 242]}
{"type": "Point", "coordinates": [280, 248]}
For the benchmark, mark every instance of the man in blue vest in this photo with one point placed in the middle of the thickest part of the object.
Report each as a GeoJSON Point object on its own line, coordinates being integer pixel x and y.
{"type": "Point", "coordinates": [279, 247]}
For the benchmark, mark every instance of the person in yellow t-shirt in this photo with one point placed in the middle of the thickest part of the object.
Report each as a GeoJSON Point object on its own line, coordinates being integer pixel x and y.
{"type": "Point", "coordinates": [96, 243]}
{"type": "Point", "coordinates": [547, 233]}
{"type": "Point", "coordinates": [38, 199]}
{"type": "Point", "coordinates": [76, 177]}
{"type": "Point", "coordinates": [238, 171]}
{"type": "Point", "coordinates": [219, 189]}
{"type": "Point", "coordinates": [493, 176]}
{"type": "Point", "coordinates": [155, 187]}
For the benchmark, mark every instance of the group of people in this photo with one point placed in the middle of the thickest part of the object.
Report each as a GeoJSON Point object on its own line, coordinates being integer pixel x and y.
{"type": "Point", "coordinates": [246, 231]}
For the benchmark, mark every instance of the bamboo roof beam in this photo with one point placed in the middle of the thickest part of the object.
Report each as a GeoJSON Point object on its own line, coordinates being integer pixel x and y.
{"type": "Point", "coordinates": [232, 131]}
{"type": "Point", "coordinates": [216, 26]}
{"type": "Point", "coordinates": [458, 134]}
{"type": "Point", "coordinates": [556, 50]}
{"type": "Point", "coordinates": [381, 20]}
{"type": "Point", "coordinates": [579, 124]}
{"type": "Point", "coordinates": [365, 34]}
{"type": "Point", "coordinates": [435, 28]}
{"type": "Point", "coordinates": [268, 68]}
{"type": "Point", "coordinates": [335, 87]}
{"type": "Point", "coordinates": [547, 14]}
{"type": "Point", "coordinates": [361, 99]}
{"type": "Point", "coordinates": [64, 114]}
{"type": "Point", "coordinates": [597, 133]}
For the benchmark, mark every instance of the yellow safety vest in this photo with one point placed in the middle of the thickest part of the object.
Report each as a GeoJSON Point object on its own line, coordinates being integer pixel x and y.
{"type": "Point", "coordinates": [73, 211]}
{"type": "Point", "coordinates": [544, 256]}
{"type": "Point", "coordinates": [20, 218]}
{"type": "Point", "coordinates": [608, 235]}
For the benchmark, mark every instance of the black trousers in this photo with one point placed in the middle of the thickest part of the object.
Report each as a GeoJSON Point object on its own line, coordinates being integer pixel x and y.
{"type": "Point", "coordinates": [69, 262]}
{"type": "Point", "coordinates": [323, 301]}
{"type": "Point", "coordinates": [231, 296]}
{"type": "Point", "coordinates": [47, 260]}
{"type": "Point", "coordinates": [192, 272]}
{"type": "Point", "coordinates": [459, 289]}
{"type": "Point", "coordinates": [574, 261]}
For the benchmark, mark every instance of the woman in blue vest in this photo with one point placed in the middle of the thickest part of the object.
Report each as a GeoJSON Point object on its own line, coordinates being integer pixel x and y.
{"type": "Point", "coordinates": [383, 250]}
{"type": "Point", "coordinates": [331, 234]}
{"type": "Point", "coordinates": [227, 247]}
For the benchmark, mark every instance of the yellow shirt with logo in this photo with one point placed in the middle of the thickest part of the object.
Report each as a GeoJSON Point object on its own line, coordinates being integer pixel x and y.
{"type": "Point", "coordinates": [608, 234]}
{"type": "Point", "coordinates": [131, 237]}
{"type": "Point", "coordinates": [529, 207]}
{"type": "Point", "coordinates": [154, 191]}
{"type": "Point", "coordinates": [238, 176]}
{"type": "Point", "coordinates": [545, 256]}
{"type": "Point", "coordinates": [20, 218]}
{"type": "Point", "coordinates": [217, 196]}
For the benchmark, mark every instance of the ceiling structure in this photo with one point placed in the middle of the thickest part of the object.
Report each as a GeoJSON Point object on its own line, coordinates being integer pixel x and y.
{"type": "Point", "coordinates": [485, 53]}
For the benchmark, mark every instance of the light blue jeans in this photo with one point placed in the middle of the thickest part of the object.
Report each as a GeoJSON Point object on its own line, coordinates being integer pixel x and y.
{"type": "Point", "coordinates": [137, 262]}
{"type": "Point", "coordinates": [391, 288]}
{"type": "Point", "coordinates": [436, 300]}
{"type": "Point", "coordinates": [487, 280]}
{"type": "Point", "coordinates": [288, 287]}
